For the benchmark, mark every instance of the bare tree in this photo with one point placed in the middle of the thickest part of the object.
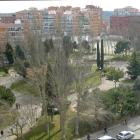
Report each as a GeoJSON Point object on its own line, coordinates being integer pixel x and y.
{"type": "Point", "coordinates": [37, 72]}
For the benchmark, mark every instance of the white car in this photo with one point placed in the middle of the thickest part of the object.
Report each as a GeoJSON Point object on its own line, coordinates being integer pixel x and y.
{"type": "Point", "coordinates": [125, 135]}
{"type": "Point", "coordinates": [106, 138]}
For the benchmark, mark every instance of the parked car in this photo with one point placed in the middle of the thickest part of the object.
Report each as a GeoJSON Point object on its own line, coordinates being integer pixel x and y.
{"type": "Point", "coordinates": [125, 135]}
{"type": "Point", "coordinates": [106, 138]}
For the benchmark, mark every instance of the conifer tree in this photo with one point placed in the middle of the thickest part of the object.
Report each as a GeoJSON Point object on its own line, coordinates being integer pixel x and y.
{"type": "Point", "coordinates": [102, 54]}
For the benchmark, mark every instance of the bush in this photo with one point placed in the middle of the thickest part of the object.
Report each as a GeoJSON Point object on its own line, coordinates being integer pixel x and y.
{"type": "Point", "coordinates": [6, 70]}
{"type": "Point", "coordinates": [7, 95]}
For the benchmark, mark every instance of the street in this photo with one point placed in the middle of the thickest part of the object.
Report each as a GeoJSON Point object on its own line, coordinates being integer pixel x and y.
{"type": "Point", "coordinates": [133, 125]}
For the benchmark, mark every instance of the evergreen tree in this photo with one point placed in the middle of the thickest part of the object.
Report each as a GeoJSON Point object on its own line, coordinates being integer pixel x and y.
{"type": "Point", "coordinates": [102, 54]}
{"type": "Point", "coordinates": [134, 65]}
{"type": "Point", "coordinates": [137, 84]}
{"type": "Point", "coordinates": [51, 44]}
{"type": "Point", "coordinates": [98, 55]}
{"type": "Point", "coordinates": [20, 53]}
{"type": "Point", "coordinates": [75, 45]}
{"type": "Point", "coordinates": [47, 45]}
{"type": "Point", "coordinates": [9, 53]}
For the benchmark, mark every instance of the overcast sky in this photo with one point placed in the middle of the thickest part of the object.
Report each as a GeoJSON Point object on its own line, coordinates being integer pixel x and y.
{"type": "Point", "coordinates": [107, 5]}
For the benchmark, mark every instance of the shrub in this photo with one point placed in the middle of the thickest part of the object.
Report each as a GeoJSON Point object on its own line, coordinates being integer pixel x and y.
{"type": "Point", "coordinates": [6, 70]}
{"type": "Point", "coordinates": [7, 95]}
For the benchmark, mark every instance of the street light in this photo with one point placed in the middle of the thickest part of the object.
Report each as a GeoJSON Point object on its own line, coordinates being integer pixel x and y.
{"type": "Point", "coordinates": [114, 83]}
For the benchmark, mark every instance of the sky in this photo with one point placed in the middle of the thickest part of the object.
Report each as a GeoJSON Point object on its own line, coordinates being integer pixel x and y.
{"type": "Point", "coordinates": [107, 5]}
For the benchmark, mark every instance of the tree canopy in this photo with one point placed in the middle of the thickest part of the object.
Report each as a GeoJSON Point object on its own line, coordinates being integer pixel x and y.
{"type": "Point", "coordinates": [86, 45]}
{"type": "Point", "coordinates": [120, 100]}
{"type": "Point", "coordinates": [114, 74]}
{"type": "Point", "coordinates": [19, 52]}
{"type": "Point", "coordinates": [121, 47]}
{"type": "Point", "coordinates": [134, 65]}
{"type": "Point", "coordinates": [48, 43]}
{"type": "Point", "coordinates": [7, 95]}
{"type": "Point", "coordinates": [137, 84]}
{"type": "Point", "coordinates": [9, 53]}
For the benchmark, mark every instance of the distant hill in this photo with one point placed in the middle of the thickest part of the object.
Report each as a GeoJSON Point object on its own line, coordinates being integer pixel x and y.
{"type": "Point", "coordinates": [107, 14]}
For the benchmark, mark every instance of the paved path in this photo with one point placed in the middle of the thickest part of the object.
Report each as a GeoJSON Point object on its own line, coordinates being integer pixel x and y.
{"type": "Point", "coordinates": [105, 84]}
{"type": "Point", "coordinates": [25, 103]}
{"type": "Point", "coordinates": [133, 125]}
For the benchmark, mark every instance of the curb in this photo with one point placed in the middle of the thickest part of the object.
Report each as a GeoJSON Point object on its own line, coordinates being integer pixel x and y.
{"type": "Point", "coordinates": [136, 130]}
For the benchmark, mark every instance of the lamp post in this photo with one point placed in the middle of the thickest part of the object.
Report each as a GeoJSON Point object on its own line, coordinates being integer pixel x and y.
{"type": "Point", "coordinates": [114, 83]}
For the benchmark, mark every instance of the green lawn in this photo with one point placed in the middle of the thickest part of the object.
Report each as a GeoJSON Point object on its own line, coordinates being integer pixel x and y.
{"type": "Point", "coordinates": [128, 81]}
{"type": "Point", "coordinates": [23, 87]}
{"type": "Point", "coordinates": [94, 68]}
{"type": "Point", "coordinates": [119, 57]}
{"type": "Point", "coordinates": [93, 80]}
{"type": "Point", "coordinates": [39, 132]}
{"type": "Point", "coordinates": [3, 73]}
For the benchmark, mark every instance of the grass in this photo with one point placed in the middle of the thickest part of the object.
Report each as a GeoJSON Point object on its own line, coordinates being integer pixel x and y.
{"type": "Point", "coordinates": [76, 52]}
{"type": "Point", "coordinates": [39, 132]}
{"type": "Point", "coordinates": [119, 57]}
{"type": "Point", "coordinates": [94, 68]}
{"type": "Point", "coordinates": [128, 81]}
{"type": "Point", "coordinates": [23, 87]}
{"type": "Point", "coordinates": [93, 80]}
{"type": "Point", "coordinates": [7, 117]}
{"type": "Point", "coordinates": [3, 73]}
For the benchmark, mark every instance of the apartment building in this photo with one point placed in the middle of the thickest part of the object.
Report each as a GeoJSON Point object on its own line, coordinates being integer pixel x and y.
{"type": "Point", "coordinates": [8, 18]}
{"type": "Point", "coordinates": [51, 20]}
{"type": "Point", "coordinates": [122, 20]}
{"type": "Point", "coordinates": [106, 27]}
{"type": "Point", "coordinates": [100, 15]}
{"type": "Point", "coordinates": [68, 16]}
{"type": "Point", "coordinates": [11, 32]}
{"type": "Point", "coordinates": [126, 11]}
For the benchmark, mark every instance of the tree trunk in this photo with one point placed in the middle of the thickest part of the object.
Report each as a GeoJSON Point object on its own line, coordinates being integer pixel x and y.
{"type": "Point", "coordinates": [63, 131]}
{"type": "Point", "coordinates": [61, 121]}
{"type": "Point", "coordinates": [46, 117]}
{"type": "Point", "coordinates": [44, 99]}
{"type": "Point", "coordinates": [77, 119]}
{"type": "Point", "coordinates": [21, 133]}
{"type": "Point", "coordinates": [76, 130]}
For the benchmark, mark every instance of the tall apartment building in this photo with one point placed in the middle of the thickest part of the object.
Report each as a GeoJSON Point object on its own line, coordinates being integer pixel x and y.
{"type": "Point", "coordinates": [70, 20]}
{"type": "Point", "coordinates": [120, 22]}
{"type": "Point", "coordinates": [100, 15]}
{"type": "Point", "coordinates": [68, 16]}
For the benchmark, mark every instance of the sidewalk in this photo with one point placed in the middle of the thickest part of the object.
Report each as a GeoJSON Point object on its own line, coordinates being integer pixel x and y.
{"type": "Point", "coordinates": [7, 132]}
{"type": "Point", "coordinates": [133, 125]}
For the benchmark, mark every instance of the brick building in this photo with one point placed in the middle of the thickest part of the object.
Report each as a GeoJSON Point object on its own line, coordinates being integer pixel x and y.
{"type": "Point", "coordinates": [8, 18]}
{"type": "Point", "coordinates": [122, 20]}
{"type": "Point", "coordinates": [68, 16]}
{"type": "Point", "coordinates": [69, 20]}
{"type": "Point", "coordinates": [10, 32]}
